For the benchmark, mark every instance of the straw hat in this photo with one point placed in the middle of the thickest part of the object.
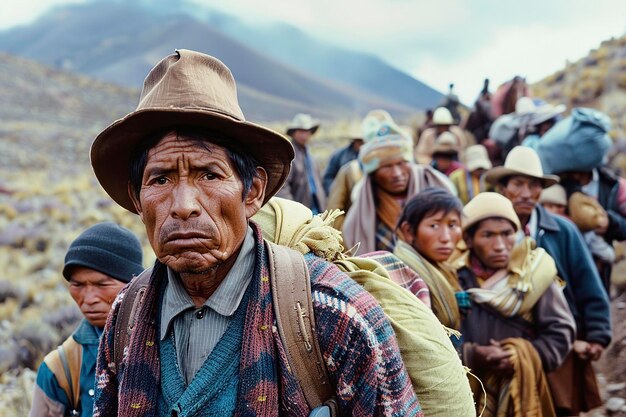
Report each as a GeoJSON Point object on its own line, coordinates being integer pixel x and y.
{"type": "Point", "coordinates": [476, 157]}
{"type": "Point", "coordinates": [442, 116]}
{"type": "Point", "coordinates": [522, 160]}
{"type": "Point", "coordinates": [555, 194]}
{"type": "Point", "coordinates": [192, 89]}
{"type": "Point", "coordinates": [489, 205]}
{"type": "Point", "coordinates": [303, 121]}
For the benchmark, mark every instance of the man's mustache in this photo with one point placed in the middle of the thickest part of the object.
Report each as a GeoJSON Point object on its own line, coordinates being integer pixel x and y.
{"type": "Point", "coordinates": [188, 229]}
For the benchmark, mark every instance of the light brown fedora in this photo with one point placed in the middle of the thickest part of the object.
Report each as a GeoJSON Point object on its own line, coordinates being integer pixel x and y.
{"type": "Point", "coordinates": [188, 89]}
{"type": "Point", "coordinates": [522, 160]}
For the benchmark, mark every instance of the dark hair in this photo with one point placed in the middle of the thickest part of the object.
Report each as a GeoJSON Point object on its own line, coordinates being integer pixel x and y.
{"type": "Point", "coordinates": [245, 165]}
{"type": "Point", "coordinates": [429, 201]}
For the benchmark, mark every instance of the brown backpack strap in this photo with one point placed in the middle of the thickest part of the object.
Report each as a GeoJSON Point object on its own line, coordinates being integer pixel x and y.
{"type": "Point", "coordinates": [65, 363]}
{"type": "Point", "coordinates": [126, 315]}
{"type": "Point", "coordinates": [293, 308]}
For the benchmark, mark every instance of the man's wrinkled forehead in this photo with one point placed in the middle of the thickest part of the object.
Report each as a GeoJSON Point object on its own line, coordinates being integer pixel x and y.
{"type": "Point", "coordinates": [199, 140]}
{"type": "Point", "coordinates": [193, 148]}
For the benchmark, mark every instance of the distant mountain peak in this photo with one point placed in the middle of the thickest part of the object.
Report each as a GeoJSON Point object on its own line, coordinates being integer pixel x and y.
{"type": "Point", "coordinates": [279, 62]}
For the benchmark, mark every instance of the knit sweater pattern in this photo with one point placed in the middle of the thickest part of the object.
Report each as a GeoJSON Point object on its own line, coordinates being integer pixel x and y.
{"type": "Point", "coordinates": [357, 341]}
{"type": "Point", "coordinates": [213, 390]}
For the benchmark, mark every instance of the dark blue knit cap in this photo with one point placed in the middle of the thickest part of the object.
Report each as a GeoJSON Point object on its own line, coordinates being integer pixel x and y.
{"type": "Point", "coordinates": [107, 248]}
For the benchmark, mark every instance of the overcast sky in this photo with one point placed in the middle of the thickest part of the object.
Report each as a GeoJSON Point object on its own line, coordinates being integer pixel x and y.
{"type": "Point", "coordinates": [438, 42]}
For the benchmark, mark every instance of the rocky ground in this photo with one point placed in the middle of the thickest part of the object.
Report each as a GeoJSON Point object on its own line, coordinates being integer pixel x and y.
{"type": "Point", "coordinates": [612, 366]}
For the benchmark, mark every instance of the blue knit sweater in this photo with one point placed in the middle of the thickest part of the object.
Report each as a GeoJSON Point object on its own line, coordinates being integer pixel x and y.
{"type": "Point", "coordinates": [213, 390]}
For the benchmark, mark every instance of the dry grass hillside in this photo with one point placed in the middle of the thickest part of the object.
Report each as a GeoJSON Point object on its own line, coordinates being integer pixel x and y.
{"type": "Point", "coordinates": [48, 195]}
{"type": "Point", "coordinates": [597, 80]}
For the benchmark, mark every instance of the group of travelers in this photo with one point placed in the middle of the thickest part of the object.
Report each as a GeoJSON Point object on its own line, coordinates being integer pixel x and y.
{"type": "Point", "coordinates": [447, 275]}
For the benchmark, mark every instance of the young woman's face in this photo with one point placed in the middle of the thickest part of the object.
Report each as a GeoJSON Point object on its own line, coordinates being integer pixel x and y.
{"type": "Point", "coordinates": [436, 235]}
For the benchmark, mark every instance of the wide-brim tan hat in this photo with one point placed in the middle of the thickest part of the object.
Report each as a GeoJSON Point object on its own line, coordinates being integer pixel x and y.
{"type": "Point", "coordinates": [522, 160]}
{"type": "Point", "coordinates": [187, 89]}
{"type": "Point", "coordinates": [489, 205]}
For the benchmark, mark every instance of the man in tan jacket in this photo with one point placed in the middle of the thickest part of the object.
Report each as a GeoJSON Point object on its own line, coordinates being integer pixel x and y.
{"type": "Point", "coordinates": [304, 183]}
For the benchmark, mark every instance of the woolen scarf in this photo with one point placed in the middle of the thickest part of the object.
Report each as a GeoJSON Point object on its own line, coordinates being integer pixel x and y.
{"type": "Point", "coordinates": [441, 281]}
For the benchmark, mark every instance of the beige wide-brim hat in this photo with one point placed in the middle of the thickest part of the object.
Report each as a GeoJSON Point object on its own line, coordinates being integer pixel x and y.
{"type": "Point", "coordinates": [522, 160]}
{"type": "Point", "coordinates": [187, 89]}
{"type": "Point", "coordinates": [489, 205]}
{"type": "Point", "coordinates": [302, 121]}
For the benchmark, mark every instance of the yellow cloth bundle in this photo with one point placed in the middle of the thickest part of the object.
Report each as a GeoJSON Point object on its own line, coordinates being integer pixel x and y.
{"type": "Point", "coordinates": [526, 393]}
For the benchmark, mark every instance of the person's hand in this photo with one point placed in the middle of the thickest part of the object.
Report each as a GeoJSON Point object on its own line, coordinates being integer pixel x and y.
{"type": "Point", "coordinates": [594, 351]}
{"type": "Point", "coordinates": [580, 349]}
{"type": "Point", "coordinates": [588, 351]}
{"type": "Point", "coordinates": [494, 357]}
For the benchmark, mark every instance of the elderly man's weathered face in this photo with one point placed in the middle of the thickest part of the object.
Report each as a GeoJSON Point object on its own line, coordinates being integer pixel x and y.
{"type": "Point", "coordinates": [192, 204]}
{"type": "Point", "coordinates": [393, 176]}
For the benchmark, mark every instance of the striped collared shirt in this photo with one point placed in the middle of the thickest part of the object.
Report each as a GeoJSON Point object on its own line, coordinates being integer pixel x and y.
{"type": "Point", "coordinates": [197, 330]}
